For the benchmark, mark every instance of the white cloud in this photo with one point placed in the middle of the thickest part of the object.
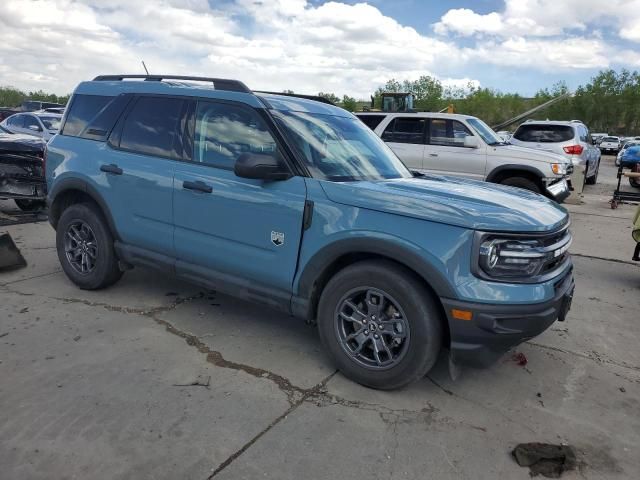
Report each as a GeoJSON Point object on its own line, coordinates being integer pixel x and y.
{"type": "Point", "coordinates": [293, 44]}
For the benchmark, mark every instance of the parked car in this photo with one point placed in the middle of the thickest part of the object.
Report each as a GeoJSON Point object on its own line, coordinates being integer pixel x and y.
{"type": "Point", "coordinates": [43, 125]}
{"type": "Point", "coordinates": [610, 145]}
{"type": "Point", "coordinates": [35, 105]}
{"type": "Point", "coordinates": [22, 170]}
{"type": "Point", "coordinates": [296, 204]}
{"type": "Point", "coordinates": [6, 112]}
{"type": "Point", "coordinates": [465, 146]}
{"type": "Point", "coordinates": [568, 138]}
{"type": "Point", "coordinates": [630, 143]}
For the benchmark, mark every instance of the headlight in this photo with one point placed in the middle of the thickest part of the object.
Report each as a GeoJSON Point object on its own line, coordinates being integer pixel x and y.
{"type": "Point", "coordinates": [559, 168]}
{"type": "Point", "coordinates": [520, 259]}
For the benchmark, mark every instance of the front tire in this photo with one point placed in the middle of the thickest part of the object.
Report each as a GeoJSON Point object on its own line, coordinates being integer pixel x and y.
{"type": "Point", "coordinates": [521, 182]}
{"type": "Point", "coordinates": [85, 247]}
{"type": "Point", "coordinates": [380, 324]}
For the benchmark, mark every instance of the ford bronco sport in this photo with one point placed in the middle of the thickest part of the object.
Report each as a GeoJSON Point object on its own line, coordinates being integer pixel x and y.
{"type": "Point", "coordinates": [297, 204]}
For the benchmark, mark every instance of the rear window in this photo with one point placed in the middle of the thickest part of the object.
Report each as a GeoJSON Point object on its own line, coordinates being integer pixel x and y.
{"type": "Point", "coordinates": [610, 139]}
{"type": "Point", "coordinates": [371, 121]}
{"type": "Point", "coordinates": [93, 116]}
{"type": "Point", "coordinates": [544, 133]}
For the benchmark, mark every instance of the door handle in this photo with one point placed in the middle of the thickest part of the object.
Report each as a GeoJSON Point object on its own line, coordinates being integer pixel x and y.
{"type": "Point", "coordinates": [111, 168]}
{"type": "Point", "coordinates": [433, 154]}
{"type": "Point", "coordinates": [198, 186]}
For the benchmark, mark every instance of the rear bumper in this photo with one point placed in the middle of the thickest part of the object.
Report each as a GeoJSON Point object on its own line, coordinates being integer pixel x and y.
{"type": "Point", "coordinates": [494, 329]}
{"type": "Point", "coordinates": [559, 190]}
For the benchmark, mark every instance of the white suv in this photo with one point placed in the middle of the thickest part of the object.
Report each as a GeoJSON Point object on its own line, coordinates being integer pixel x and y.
{"type": "Point", "coordinates": [568, 138]}
{"type": "Point", "coordinates": [465, 146]}
{"type": "Point", "coordinates": [610, 144]}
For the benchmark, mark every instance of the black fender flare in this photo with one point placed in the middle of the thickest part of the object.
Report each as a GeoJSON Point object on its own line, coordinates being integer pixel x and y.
{"type": "Point", "coordinates": [68, 184]}
{"type": "Point", "coordinates": [326, 257]}
{"type": "Point", "coordinates": [514, 167]}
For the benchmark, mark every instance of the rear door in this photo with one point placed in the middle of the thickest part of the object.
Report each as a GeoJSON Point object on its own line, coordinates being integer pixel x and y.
{"type": "Point", "coordinates": [232, 231]}
{"type": "Point", "coordinates": [446, 154]}
{"type": "Point", "coordinates": [405, 135]}
{"type": "Point", "coordinates": [15, 123]}
{"type": "Point", "coordinates": [136, 171]}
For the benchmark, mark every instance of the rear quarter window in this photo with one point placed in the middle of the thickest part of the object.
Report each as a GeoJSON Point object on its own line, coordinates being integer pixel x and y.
{"type": "Point", "coordinates": [371, 121]}
{"type": "Point", "coordinates": [544, 133]}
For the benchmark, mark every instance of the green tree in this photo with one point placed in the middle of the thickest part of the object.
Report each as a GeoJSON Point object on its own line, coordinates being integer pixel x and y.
{"type": "Point", "coordinates": [332, 97]}
{"type": "Point", "coordinates": [349, 103]}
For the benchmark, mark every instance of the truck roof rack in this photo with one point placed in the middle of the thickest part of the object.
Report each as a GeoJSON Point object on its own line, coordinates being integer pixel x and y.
{"type": "Point", "coordinates": [218, 83]}
{"type": "Point", "coordinates": [297, 95]}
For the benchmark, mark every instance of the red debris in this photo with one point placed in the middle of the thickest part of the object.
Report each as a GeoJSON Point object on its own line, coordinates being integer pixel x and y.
{"type": "Point", "coordinates": [519, 358]}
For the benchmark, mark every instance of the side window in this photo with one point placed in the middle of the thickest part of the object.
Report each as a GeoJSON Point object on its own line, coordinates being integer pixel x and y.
{"type": "Point", "coordinates": [151, 127]}
{"type": "Point", "coordinates": [450, 133]}
{"type": "Point", "coordinates": [224, 132]}
{"type": "Point", "coordinates": [30, 121]}
{"type": "Point", "coordinates": [16, 121]}
{"type": "Point", "coordinates": [583, 134]}
{"type": "Point", "coordinates": [84, 108]}
{"type": "Point", "coordinates": [405, 130]}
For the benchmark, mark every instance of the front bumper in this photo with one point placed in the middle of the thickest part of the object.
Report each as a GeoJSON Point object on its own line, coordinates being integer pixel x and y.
{"type": "Point", "coordinates": [559, 190]}
{"type": "Point", "coordinates": [494, 329]}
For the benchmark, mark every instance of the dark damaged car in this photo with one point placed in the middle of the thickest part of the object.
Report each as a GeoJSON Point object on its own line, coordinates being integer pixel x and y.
{"type": "Point", "coordinates": [22, 170]}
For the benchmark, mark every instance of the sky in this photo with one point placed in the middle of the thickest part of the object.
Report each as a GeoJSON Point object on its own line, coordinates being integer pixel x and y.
{"type": "Point", "coordinates": [342, 47]}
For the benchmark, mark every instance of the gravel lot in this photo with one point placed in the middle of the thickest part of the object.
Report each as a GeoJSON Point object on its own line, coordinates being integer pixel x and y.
{"type": "Point", "coordinates": [97, 384]}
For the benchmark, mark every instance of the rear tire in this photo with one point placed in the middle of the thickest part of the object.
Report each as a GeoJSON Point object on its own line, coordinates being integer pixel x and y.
{"type": "Point", "coordinates": [593, 178]}
{"type": "Point", "coordinates": [85, 247]}
{"type": "Point", "coordinates": [521, 182]}
{"type": "Point", "coordinates": [27, 205]}
{"type": "Point", "coordinates": [398, 320]}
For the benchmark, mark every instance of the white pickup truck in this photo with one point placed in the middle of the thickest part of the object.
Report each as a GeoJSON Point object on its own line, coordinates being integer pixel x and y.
{"type": "Point", "coordinates": [465, 146]}
{"type": "Point", "coordinates": [610, 145]}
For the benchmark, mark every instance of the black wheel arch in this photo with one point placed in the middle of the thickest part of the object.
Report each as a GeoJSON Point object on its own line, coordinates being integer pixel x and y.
{"type": "Point", "coordinates": [516, 170]}
{"type": "Point", "coordinates": [74, 190]}
{"type": "Point", "coordinates": [331, 259]}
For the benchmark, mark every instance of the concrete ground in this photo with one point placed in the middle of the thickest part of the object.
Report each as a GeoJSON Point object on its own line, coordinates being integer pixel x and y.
{"type": "Point", "coordinates": [109, 384]}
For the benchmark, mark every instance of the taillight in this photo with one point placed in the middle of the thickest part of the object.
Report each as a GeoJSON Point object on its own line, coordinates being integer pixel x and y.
{"type": "Point", "coordinates": [573, 149]}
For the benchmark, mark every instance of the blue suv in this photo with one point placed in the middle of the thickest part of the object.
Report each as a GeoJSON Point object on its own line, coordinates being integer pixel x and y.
{"type": "Point", "coordinates": [295, 203]}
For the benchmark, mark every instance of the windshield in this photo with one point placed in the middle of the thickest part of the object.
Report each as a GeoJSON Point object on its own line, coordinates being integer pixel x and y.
{"type": "Point", "coordinates": [340, 149]}
{"type": "Point", "coordinates": [50, 123]}
{"type": "Point", "coordinates": [485, 131]}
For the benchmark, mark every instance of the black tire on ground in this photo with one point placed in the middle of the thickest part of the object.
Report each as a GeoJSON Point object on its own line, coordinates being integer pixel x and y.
{"type": "Point", "coordinates": [106, 271]}
{"type": "Point", "coordinates": [27, 205]}
{"type": "Point", "coordinates": [521, 182]}
{"type": "Point", "coordinates": [593, 178]}
{"type": "Point", "coordinates": [421, 313]}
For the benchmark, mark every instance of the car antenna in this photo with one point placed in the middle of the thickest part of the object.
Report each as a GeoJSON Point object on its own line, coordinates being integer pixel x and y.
{"type": "Point", "coordinates": [145, 67]}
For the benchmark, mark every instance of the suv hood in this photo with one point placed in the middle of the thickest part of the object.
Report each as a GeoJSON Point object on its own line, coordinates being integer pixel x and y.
{"type": "Point", "coordinates": [454, 201]}
{"type": "Point", "coordinates": [529, 153]}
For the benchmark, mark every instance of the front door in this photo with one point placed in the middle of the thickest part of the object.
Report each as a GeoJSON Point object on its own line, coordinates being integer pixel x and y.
{"type": "Point", "coordinates": [445, 153]}
{"type": "Point", "coordinates": [234, 232]}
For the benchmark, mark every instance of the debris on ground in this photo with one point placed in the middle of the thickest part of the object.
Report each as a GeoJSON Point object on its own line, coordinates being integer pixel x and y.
{"type": "Point", "coordinates": [545, 459]}
{"type": "Point", "coordinates": [519, 358]}
{"type": "Point", "coordinates": [4, 334]}
{"type": "Point", "coordinates": [10, 256]}
{"type": "Point", "coordinates": [76, 338]}
{"type": "Point", "coordinates": [622, 389]}
{"type": "Point", "coordinates": [200, 381]}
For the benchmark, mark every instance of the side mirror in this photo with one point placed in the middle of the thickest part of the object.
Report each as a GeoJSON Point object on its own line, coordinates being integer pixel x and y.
{"type": "Point", "coordinates": [35, 128]}
{"type": "Point", "coordinates": [260, 167]}
{"type": "Point", "coordinates": [471, 142]}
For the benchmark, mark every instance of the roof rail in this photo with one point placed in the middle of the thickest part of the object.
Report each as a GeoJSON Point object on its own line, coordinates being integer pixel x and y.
{"type": "Point", "coordinates": [218, 83]}
{"type": "Point", "coordinates": [317, 98]}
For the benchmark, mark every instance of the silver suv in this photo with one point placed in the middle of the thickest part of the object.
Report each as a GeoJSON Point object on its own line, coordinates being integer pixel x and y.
{"type": "Point", "coordinates": [568, 138]}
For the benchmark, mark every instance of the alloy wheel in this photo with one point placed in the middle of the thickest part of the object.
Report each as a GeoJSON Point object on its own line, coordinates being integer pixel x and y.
{"type": "Point", "coordinates": [81, 248]}
{"type": "Point", "coordinates": [372, 328]}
